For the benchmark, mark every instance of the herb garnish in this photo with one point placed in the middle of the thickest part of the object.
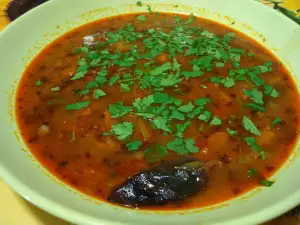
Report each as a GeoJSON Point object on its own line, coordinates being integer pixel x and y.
{"type": "Point", "coordinates": [255, 174]}
{"type": "Point", "coordinates": [38, 83]}
{"type": "Point", "coordinates": [277, 120]}
{"type": "Point", "coordinates": [160, 104]}
{"type": "Point", "coordinates": [78, 105]}
{"type": "Point", "coordinates": [121, 130]}
{"type": "Point", "coordinates": [250, 126]}
{"type": "Point", "coordinates": [134, 146]}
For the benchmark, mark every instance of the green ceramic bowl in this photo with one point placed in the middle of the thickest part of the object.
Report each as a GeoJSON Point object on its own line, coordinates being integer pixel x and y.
{"type": "Point", "coordinates": [24, 38]}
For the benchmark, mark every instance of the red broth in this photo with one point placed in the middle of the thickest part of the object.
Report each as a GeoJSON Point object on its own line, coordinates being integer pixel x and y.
{"type": "Point", "coordinates": [238, 102]}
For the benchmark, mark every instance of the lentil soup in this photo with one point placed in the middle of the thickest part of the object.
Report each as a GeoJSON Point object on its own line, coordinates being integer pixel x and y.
{"type": "Point", "coordinates": [115, 100]}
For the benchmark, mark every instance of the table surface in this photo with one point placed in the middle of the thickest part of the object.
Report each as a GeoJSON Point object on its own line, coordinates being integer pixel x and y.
{"type": "Point", "coordinates": [15, 211]}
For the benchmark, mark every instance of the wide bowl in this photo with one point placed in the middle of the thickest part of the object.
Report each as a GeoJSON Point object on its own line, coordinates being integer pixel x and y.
{"type": "Point", "coordinates": [24, 38]}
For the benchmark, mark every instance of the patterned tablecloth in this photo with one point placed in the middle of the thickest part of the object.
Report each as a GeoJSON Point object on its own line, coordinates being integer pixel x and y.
{"type": "Point", "coordinates": [16, 211]}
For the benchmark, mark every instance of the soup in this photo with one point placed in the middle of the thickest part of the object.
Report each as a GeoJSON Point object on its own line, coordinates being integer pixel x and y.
{"type": "Point", "coordinates": [158, 111]}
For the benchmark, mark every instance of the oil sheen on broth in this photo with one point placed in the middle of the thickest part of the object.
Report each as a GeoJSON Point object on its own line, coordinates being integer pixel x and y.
{"type": "Point", "coordinates": [181, 111]}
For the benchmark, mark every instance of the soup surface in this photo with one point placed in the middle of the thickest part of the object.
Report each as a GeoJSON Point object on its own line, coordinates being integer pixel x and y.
{"type": "Point", "coordinates": [122, 95]}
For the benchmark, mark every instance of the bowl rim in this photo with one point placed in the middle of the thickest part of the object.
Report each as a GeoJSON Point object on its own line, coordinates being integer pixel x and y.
{"type": "Point", "coordinates": [77, 217]}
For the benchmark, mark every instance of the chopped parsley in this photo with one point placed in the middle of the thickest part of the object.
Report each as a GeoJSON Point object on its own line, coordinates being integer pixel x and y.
{"type": "Point", "coordinates": [255, 95]}
{"type": "Point", "coordinates": [141, 18]}
{"type": "Point", "coordinates": [141, 105]}
{"type": "Point", "coordinates": [216, 121]}
{"type": "Point", "coordinates": [181, 128]}
{"type": "Point", "coordinates": [98, 93]}
{"type": "Point", "coordinates": [55, 89]}
{"type": "Point", "coordinates": [186, 108]}
{"type": "Point", "coordinates": [134, 146]}
{"type": "Point", "coordinates": [183, 146]}
{"type": "Point", "coordinates": [251, 141]}
{"type": "Point", "coordinates": [277, 120]}
{"type": "Point", "coordinates": [270, 91]}
{"type": "Point", "coordinates": [118, 110]}
{"type": "Point", "coordinates": [190, 19]}
{"type": "Point", "coordinates": [149, 9]}
{"type": "Point", "coordinates": [202, 101]}
{"type": "Point", "coordinates": [255, 107]}
{"type": "Point", "coordinates": [78, 105]}
{"type": "Point", "coordinates": [255, 174]}
{"type": "Point", "coordinates": [250, 126]}
{"type": "Point", "coordinates": [38, 83]}
{"type": "Point", "coordinates": [232, 132]}
{"type": "Point", "coordinates": [113, 80]}
{"type": "Point", "coordinates": [122, 130]}
{"type": "Point", "coordinates": [205, 116]}
{"type": "Point", "coordinates": [267, 183]}
{"type": "Point", "coordinates": [155, 153]}
{"type": "Point", "coordinates": [162, 123]}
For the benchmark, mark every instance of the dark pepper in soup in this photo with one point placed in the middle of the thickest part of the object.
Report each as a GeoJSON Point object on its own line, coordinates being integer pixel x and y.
{"type": "Point", "coordinates": [106, 105]}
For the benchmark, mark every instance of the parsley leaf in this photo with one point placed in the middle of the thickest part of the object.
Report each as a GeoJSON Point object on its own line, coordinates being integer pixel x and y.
{"type": "Point", "coordinates": [205, 116]}
{"type": "Point", "coordinates": [255, 107]}
{"type": "Point", "coordinates": [142, 18]}
{"type": "Point", "coordinates": [118, 110]}
{"type": "Point", "coordinates": [139, 3]}
{"type": "Point", "coordinates": [98, 93]}
{"type": "Point", "coordinates": [84, 92]}
{"type": "Point", "coordinates": [146, 115]}
{"type": "Point", "coordinates": [161, 69]}
{"type": "Point", "coordinates": [255, 95]}
{"type": "Point", "coordinates": [276, 121]}
{"type": "Point", "coordinates": [113, 80]}
{"type": "Point", "coordinates": [201, 128]}
{"type": "Point", "coordinates": [162, 123]}
{"type": "Point", "coordinates": [219, 64]}
{"type": "Point", "coordinates": [186, 108]}
{"type": "Point", "coordinates": [251, 141]}
{"type": "Point", "coordinates": [175, 114]}
{"type": "Point", "coordinates": [217, 80]}
{"type": "Point", "coordinates": [270, 91]}
{"type": "Point", "coordinates": [134, 146]}
{"type": "Point", "coordinates": [176, 65]}
{"type": "Point", "coordinates": [78, 105]}
{"type": "Point", "coordinates": [125, 87]}
{"type": "Point", "coordinates": [183, 146]}
{"type": "Point", "coordinates": [149, 9]}
{"type": "Point", "coordinates": [79, 75]}
{"type": "Point", "coordinates": [216, 121]}
{"type": "Point", "coordinates": [170, 81]}
{"type": "Point", "coordinates": [195, 112]}
{"type": "Point", "coordinates": [202, 101]}
{"type": "Point", "coordinates": [254, 173]}
{"type": "Point", "coordinates": [231, 132]}
{"type": "Point", "coordinates": [267, 183]}
{"type": "Point", "coordinates": [255, 79]}
{"type": "Point", "coordinates": [122, 130]}
{"type": "Point", "coordinates": [178, 102]}
{"type": "Point", "coordinates": [155, 153]}
{"type": "Point", "coordinates": [250, 126]}
{"type": "Point", "coordinates": [189, 74]}
{"type": "Point", "coordinates": [160, 97]}
{"type": "Point", "coordinates": [181, 128]}
{"type": "Point", "coordinates": [229, 82]}
{"type": "Point", "coordinates": [141, 105]}
{"type": "Point", "coordinates": [55, 89]}
{"type": "Point", "coordinates": [38, 83]}
{"type": "Point", "coordinates": [190, 19]}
